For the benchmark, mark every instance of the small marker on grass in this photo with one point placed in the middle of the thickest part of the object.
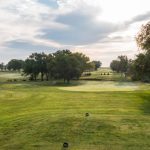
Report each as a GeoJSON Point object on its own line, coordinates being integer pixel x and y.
{"type": "Point", "coordinates": [65, 145]}
{"type": "Point", "coordinates": [87, 114]}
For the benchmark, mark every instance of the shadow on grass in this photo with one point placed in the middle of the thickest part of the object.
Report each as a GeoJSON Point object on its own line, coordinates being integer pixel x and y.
{"type": "Point", "coordinates": [45, 83]}
{"type": "Point", "coordinates": [57, 83]}
{"type": "Point", "coordinates": [77, 131]}
{"type": "Point", "coordinates": [146, 103]}
{"type": "Point", "coordinates": [37, 132]}
{"type": "Point", "coordinates": [72, 130]}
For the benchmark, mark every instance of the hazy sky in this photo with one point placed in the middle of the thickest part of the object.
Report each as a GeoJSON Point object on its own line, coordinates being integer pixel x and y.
{"type": "Point", "coordinates": [102, 29]}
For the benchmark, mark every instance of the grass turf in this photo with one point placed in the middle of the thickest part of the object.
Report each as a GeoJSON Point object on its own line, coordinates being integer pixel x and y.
{"type": "Point", "coordinates": [4, 76]}
{"type": "Point", "coordinates": [106, 86]}
{"type": "Point", "coordinates": [39, 116]}
{"type": "Point", "coordinates": [105, 74]}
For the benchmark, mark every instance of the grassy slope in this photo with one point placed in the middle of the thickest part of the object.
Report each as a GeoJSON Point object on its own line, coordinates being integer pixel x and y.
{"type": "Point", "coordinates": [41, 117]}
{"type": "Point", "coordinates": [105, 86]}
{"type": "Point", "coordinates": [96, 75]}
{"type": "Point", "coordinates": [4, 76]}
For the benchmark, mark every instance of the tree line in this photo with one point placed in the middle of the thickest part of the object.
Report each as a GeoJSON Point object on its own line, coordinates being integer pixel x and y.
{"type": "Point", "coordinates": [62, 64]}
{"type": "Point", "coordinates": [66, 65]}
{"type": "Point", "coordinates": [139, 68]}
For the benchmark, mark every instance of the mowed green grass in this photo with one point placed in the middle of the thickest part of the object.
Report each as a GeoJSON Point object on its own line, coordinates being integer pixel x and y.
{"type": "Point", "coordinates": [41, 116]}
{"type": "Point", "coordinates": [105, 86]}
{"type": "Point", "coordinates": [4, 76]}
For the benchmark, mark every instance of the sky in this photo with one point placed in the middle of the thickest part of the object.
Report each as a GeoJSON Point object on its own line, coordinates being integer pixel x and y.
{"type": "Point", "coordinates": [101, 29]}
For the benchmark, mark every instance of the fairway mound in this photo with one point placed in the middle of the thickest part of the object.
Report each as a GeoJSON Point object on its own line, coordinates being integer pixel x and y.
{"type": "Point", "coordinates": [103, 86]}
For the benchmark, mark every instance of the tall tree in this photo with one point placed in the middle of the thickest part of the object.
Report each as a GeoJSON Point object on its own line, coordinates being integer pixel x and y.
{"type": "Point", "coordinates": [69, 65]}
{"type": "Point", "coordinates": [141, 65]}
{"type": "Point", "coordinates": [1, 66]}
{"type": "Point", "coordinates": [38, 64]}
{"type": "Point", "coordinates": [83, 62]}
{"type": "Point", "coordinates": [123, 66]}
{"type": "Point", "coordinates": [50, 67]}
{"type": "Point", "coordinates": [90, 66]}
{"type": "Point", "coordinates": [143, 37]}
{"type": "Point", "coordinates": [97, 64]}
{"type": "Point", "coordinates": [41, 59]}
{"type": "Point", "coordinates": [120, 65]}
{"type": "Point", "coordinates": [114, 65]}
{"type": "Point", "coordinates": [31, 68]}
{"type": "Point", "coordinates": [15, 64]}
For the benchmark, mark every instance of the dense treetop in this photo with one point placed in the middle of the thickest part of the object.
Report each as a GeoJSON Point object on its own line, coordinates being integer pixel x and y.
{"type": "Point", "coordinates": [143, 37]}
{"type": "Point", "coordinates": [59, 65]}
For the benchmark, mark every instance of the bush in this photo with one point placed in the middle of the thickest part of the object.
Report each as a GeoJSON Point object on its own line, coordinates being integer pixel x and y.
{"type": "Point", "coordinates": [9, 80]}
{"type": "Point", "coordinates": [146, 79]}
{"type": "Point", "coordinates": [87, 74]}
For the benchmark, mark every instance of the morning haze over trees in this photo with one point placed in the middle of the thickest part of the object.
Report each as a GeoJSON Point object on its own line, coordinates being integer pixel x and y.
{"type": "Point", "coordinates": [62, 64]}
{"type": "Point", "coordinates": [59, 65]}
{"type": "Point", "coordinates": [138, 69]}
{"type": "Point", "coordinates": [66, 65]}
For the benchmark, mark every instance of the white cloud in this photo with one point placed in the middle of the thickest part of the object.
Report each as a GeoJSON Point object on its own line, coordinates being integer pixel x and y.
{"type": "Point", "coordinates": [22, 20]}
{"type": "Point", "coordinates": [25, 21]}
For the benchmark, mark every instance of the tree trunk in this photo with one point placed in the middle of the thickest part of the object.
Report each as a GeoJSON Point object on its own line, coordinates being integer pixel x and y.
{"type": "Point", "coordinates": [42, 76]}
{"type": "Point", "coordinates": [31, 77]}
{"type": "Point", "coordinates": [35, 77]}
{"type": "Point", "coordinates": [68, 81]}
{"type": "Point", "coordinates": [125, 75]}
{"type": "Point", "coordinates": [47, 76]}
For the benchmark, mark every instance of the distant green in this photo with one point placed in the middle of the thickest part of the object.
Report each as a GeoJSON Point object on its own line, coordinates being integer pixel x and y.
{"type": "Point", "coordinates": [105, 74]}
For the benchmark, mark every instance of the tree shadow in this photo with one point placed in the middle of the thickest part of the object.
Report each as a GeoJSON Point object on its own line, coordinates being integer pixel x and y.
{"type": "Point", "coordinates": [146, 103]}
{"type": "Point", "coordinates": [71, 83]}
